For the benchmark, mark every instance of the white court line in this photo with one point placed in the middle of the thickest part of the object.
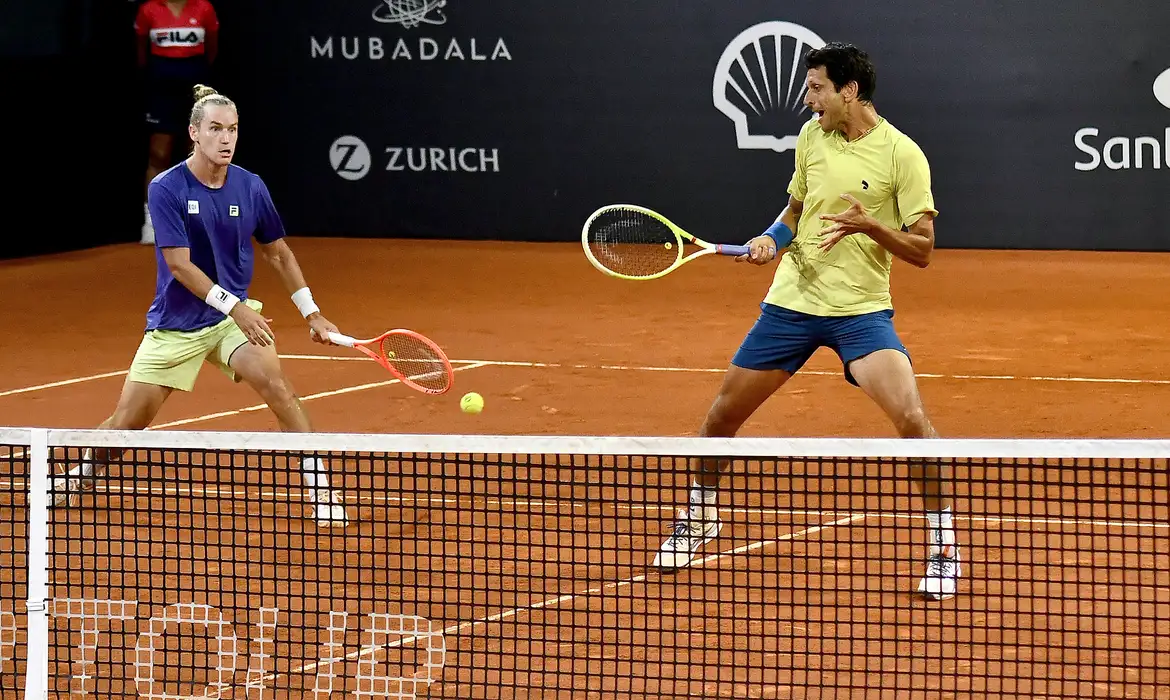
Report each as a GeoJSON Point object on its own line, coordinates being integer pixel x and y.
{"type": "Point", "coordinates": [550, 602]}
{"type": "Point", "coordinates": [63, 382]}
{"type": "Point", "coordinates": [649, 368]}
{"type": "Point", "coordinates": [18, 453]}
{"type": "Point", "coordinates": [309, 397]}
{"type": "Point", "coordinates": [124, 372]}
{"type": "Point", "coordinates": [817, 373]}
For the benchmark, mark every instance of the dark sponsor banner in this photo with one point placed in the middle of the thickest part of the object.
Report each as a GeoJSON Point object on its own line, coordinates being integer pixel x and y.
{"type": "Point", "coordinates": [1047, 124]}
{"type": "Point", "coordinates": [33, 28]}
{"type": "Point", "coordinates": [59, 61]}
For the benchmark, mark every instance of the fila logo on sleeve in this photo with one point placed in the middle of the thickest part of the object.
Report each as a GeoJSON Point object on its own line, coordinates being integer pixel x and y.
{"type": "Point", "coordinates": [192, 206]}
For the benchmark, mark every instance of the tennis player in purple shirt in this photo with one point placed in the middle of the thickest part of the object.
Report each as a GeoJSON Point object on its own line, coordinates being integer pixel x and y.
{"type": "Point", "coordinates": [206, 212]}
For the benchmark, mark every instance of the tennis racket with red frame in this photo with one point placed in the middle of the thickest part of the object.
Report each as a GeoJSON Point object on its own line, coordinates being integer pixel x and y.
{"type": "Point", "coordinates": [411, 357]}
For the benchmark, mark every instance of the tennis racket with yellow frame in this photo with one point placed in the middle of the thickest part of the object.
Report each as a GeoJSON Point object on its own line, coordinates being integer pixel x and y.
{"type": "Point", "coordinates": [635, 243]}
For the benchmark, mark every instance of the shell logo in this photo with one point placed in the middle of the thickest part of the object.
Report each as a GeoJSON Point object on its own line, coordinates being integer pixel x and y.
{"type": "Point", "coordinates": [1162, 88]}
{"type": "Point", "coordinates": [410, 13]}
{"type": "Point", "coordinates": [760, 83]}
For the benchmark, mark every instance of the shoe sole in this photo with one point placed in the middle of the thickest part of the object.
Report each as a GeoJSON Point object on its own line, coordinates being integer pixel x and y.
{"type": "Point", "coordinates": [934, 597]}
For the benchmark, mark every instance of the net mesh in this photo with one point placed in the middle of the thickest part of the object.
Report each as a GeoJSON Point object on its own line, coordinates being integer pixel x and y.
{"type": "Point", "coordinates": [518, 571]}
{"type": "Point", "coordinates": [13, 566]}
{"type": "Point", "coordinates": [632, 243]}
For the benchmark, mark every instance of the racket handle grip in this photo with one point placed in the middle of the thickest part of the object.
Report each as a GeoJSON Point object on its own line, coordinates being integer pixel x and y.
{"type": "Point", "coordinates": [734, 250]}
{"type": "Point", "coordinates": [342, 339]}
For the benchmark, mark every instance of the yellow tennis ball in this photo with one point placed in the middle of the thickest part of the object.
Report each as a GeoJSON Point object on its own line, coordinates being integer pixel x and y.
{"type": "Point", "coordinates": [471, 402]}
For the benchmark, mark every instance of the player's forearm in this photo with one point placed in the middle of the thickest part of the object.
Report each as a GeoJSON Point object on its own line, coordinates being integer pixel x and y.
{"type": "Point", "coordinates": [195, 280]}
{"type": "Point", "coordinates": [281, 257]}
{"type": "Point", "coordinates": [783, 230]}
{"type": "Point", "coordinates": [790, 217]}
{"type": "Point", "coordinates": [289, 271]}
{"type": "Point", "coordinates": [911, 247]}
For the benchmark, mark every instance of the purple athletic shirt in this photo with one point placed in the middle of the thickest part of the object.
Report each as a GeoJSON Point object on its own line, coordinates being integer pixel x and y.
{"type": "Point", "coordinates": [218, 225]}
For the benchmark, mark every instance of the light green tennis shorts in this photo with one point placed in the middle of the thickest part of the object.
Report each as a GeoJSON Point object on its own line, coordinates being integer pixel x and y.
{"type": "Point", "coordinates": [174, 358]}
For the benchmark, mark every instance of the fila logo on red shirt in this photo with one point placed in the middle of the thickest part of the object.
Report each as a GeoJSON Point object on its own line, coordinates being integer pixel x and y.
{"type": "Point", "coordinates": [190, 36]}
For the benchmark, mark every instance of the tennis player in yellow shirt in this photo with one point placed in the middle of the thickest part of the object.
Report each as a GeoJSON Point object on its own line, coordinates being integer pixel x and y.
{"type": "Point", "coordinates": [859, 196]}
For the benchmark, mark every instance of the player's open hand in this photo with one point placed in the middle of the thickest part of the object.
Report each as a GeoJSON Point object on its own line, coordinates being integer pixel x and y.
{"type": "Point", "coordinates": [320, 328]}
{"type": "Point", "coordinates": [853, 220]}
{"type": "Point", "coordinates": [253, 324]}
{"type": "Point", "coordinates": [761, 251]}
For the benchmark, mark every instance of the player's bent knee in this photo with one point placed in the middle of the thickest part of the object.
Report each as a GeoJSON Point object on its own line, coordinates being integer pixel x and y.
{"type": "Point", "coordinates": [719, 425]}
{"type": "Point", "coordinates": [742, 393]}
{"type": "Point", "coordinates": [725, 417]}
{"type": "Point", "coordinates": [913, 423]}
{"type": "Point", "coordinates": [276, 388]}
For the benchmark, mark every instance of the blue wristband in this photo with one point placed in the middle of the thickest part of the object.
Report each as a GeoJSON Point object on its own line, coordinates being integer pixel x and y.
{"type": "Point", "coordinates": [780, 234]}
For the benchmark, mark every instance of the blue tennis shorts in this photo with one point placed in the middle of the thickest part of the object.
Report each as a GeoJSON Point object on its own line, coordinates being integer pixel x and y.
{"type": "Point", "coordinates": [785, 339]}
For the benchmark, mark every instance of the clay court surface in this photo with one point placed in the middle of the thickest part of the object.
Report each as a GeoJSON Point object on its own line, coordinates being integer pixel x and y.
{"type": "Point", "coordinates": [1014, 344]}
{"type": "Point", "coordinates": [557, 600]}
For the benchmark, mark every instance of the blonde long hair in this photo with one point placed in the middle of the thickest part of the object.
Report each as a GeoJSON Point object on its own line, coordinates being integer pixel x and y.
{"type": "Point", "coordinates": [206, 95]}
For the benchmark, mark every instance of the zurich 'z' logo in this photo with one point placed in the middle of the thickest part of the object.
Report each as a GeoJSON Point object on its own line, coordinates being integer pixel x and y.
{"type": "Point", "coordinates": [350, 157]}
{"type": "Point", "coordinates": [760, 84]}
{"type": "Point", "coordinates": [411, 13]}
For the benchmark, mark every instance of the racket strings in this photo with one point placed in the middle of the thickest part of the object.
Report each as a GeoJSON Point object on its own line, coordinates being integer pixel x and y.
{"type": "Point", "coordinates": [633, 243]}
{"type": "Point", "coordinates": [416, 361]}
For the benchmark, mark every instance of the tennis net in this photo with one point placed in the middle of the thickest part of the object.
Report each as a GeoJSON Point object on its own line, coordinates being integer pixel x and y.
{"type": "Point", "coordinates": [201, 564]}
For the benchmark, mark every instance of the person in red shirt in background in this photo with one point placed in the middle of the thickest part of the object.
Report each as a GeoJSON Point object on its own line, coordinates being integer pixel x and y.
{"type": "Point", "coordinates": [177, 43]}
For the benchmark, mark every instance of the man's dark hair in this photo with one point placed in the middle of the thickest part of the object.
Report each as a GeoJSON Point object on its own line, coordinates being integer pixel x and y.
{"type": "Point", "coordinates": [845, 63]}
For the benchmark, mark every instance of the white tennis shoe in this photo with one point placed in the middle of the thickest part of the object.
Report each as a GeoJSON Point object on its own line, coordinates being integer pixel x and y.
{"type": "Point", "coordinates": [328, 505]}
{"type": "Point", "coordinates": [329, 508]}
{"type": "Point", "coordinates": [65, 490]}
{"type": "Point", "coordinates": [687, 535]}
{"type": "Point", "coordinates": [943, 570]}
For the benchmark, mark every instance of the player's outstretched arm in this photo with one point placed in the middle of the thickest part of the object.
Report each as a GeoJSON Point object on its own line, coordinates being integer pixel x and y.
{"type": "Point", "coordinates": [280, 256]}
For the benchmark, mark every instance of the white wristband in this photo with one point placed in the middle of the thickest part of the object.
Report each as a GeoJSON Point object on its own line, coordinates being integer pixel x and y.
{"type": "Point", "coordinates": [221, 299]}
{"type": "Point", "coordinates": [303, 298]}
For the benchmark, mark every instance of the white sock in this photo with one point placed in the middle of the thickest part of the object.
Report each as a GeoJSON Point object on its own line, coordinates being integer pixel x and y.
{"type": "Point", "coordinates": [942, 529]}
{"type": "Point", "coordinates": [703, 502]}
